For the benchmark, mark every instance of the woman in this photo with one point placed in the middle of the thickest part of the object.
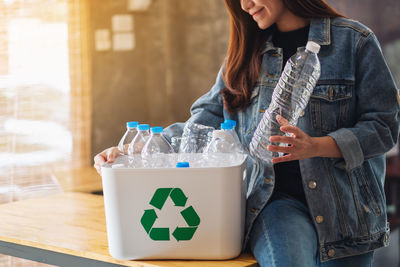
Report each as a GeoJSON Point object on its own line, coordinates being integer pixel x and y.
{"type": "Point", "coordinates": [322, 203]}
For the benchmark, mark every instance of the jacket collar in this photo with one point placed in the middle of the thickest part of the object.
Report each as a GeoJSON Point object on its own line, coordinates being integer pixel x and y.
{"type": "Point", "coordinates": [320, 32]}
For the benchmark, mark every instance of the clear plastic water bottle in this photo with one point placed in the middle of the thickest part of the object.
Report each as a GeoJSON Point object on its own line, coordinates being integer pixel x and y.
{"type": "Point", "coordinates": [137, 144]}
{"type": "Point", "coordinates": [131, 131]}
{"type": "Point", "coordinates": [289, 99]}
{"type": "Point", "coordinates": [221, 151]}
{"type": "Point", "coordinates": [195, 138]}
{"type": "Point", "coordinates": [229, 126]}
{"type": "Point", "coordinates": [156, 150]}
{"type": "Point", "coordinates": [176, 143]}
{"type": "Point", "coordinates": [221, 142]}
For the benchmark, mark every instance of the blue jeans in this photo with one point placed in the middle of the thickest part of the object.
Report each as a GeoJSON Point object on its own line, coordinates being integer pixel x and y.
{"type": "Point", "coordinates": [283, 235]}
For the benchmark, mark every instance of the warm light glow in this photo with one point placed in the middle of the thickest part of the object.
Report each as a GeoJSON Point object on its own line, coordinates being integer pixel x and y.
{"type": "Point", "coordinates": [38, 53]}
{"type": "Point", "coordinates": [35, 134]}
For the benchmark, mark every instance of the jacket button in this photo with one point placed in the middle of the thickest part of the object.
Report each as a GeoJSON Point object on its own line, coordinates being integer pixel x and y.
{"type": "Point", "coordinates": [386, 239]}
{"type": "Point", "coordinates": [312, 184]}
{"type": "Point", "coordinates": [319, 219]}
{"type": "Point", "coordinates": [331, 252]}
{"type": "Point", "coordinates": [253, 210]}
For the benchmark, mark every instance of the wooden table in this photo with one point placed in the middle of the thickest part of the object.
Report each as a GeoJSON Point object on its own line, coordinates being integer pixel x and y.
{"type": "Point", "coordinates": [84, 179]}
{"type": "Point", "coordinates": [69, 230]}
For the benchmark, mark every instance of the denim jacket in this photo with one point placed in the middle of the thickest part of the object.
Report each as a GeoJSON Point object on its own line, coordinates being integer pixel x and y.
{"type": "Point", "coordinates": [356, 103]}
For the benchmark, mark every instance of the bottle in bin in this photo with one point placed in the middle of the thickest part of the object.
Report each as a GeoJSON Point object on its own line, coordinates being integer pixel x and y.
{"type": "Point", "coordinates": [155, 153]}
{"type": "Point", "coordinates": [137, 144]}
{"type": "Point", "coordinates": [223, 141]}
{"type": "Point", "coordinates": [222, 149]}
{"type": "Point", "coordinates": [194, 140]}
{"type": "Point", "coordinates": [229, 126]}
{"type": "Point", "coordinates": [289, 99]}
{"type": "Point", "coordinates": [131, 131]}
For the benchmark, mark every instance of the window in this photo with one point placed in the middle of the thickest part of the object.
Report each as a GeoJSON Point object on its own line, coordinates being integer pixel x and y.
{"type": "Point", "coordinates": [44, 99]}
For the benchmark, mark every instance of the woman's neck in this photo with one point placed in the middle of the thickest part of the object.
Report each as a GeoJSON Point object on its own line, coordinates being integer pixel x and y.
{"type": "Point", "coordinates": [290, 22]}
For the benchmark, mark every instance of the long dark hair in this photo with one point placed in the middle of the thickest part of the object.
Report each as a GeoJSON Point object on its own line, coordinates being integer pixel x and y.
{"type": "Point", "coordinates": [245, 43]}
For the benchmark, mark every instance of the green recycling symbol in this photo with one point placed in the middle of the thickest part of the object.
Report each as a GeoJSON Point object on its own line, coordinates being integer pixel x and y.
{"type": "Point", "coordinates": [189, 214]}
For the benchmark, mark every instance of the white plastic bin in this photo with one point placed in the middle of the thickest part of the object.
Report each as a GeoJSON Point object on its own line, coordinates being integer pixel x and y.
{"type": "Point", "coordinates": [176, 213]}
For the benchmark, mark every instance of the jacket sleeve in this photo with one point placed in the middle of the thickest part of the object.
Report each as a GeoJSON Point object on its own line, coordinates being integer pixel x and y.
{"type": "Point", "coordinates": [377, 128]}
{"type": "Point", "coordinates": [206, 110]}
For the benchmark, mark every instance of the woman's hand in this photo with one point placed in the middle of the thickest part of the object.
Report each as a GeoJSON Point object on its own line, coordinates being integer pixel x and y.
{"type": "Point", "coordinates": [107, 155]}
{"type": "Point", "coordinates": [301, 145]}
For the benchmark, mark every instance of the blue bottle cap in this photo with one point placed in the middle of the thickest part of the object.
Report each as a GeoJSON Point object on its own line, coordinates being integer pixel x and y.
{"type": "Point", "coordinates": [143, 127]}
{"type": "Point", "coordinates": [183, 164]}
{"type": "Point", "coordinates": [132, 124]}
{"type": "Point", "coordinates": [233, 122]}
{"type": "Point", "coordinates": [226, 126]}
{"type": "Point", "coordinates": [156, 129]}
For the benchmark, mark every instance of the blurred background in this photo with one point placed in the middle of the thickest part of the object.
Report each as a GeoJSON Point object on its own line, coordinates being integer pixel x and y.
{"type": "Point", "coordinates": [73, 72]}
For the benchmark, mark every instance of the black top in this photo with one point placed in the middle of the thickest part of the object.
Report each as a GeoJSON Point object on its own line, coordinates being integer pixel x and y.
{"type": "Point", "coordinates": [290, 41]}
{"type": "Point", "coordinates": [287, 174]}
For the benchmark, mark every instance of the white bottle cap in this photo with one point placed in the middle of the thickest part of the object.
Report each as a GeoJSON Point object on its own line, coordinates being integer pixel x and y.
{"type": "Point", "coordinates": [313, 47]}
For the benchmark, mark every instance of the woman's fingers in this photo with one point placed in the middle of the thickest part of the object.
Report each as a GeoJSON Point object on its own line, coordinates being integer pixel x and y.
{"type": "Point", "coordinates": [284, 158]}
{"type": "Point", "coordinates": [300, 144]}
{"type": "Point", "coordinates": [282, 121]}
{"type": "Point", "coordinates": [286, 127]}
{"type": "Point", "coordinates": [283, 149]}
{"type": "Point", "coordinates": [281, 139]}
{"type": "Point", "coordinates": [295, 131]}
{"type": "Point", "coordinates": [112, 153]}
{"type": "Point", "coordinates": [107, 155]}
{"type": "Point", "coordinates": [98, 161]}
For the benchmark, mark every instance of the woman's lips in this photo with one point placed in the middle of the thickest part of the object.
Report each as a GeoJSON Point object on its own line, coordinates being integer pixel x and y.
{"type": "Point", "coordinates": [257, 12]}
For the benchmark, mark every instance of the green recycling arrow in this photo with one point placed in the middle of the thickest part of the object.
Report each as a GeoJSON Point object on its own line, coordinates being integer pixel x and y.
{"type": "Point", "coordinates": [178, 197]}
{"type": "Point", "coordinates": [189, 214]}
{"type": "Point", "coordinates": [159, 233]}
{"type": "Point", "coordinates": [159, 197]}
{"type": "Point", "coordinates": [184, 233]}
{"type": "Point", "coordinates": [148, 219]}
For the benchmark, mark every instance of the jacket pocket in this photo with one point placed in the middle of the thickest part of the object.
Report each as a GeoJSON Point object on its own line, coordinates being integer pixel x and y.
{"type": "Point", "coordinates": [329, 106]}
{"type": "Point", "coordinates": [371, 198]}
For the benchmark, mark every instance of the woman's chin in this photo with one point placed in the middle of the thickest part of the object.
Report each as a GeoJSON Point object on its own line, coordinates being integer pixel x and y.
{"type": "Point", "coordinates": [262, 25]}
